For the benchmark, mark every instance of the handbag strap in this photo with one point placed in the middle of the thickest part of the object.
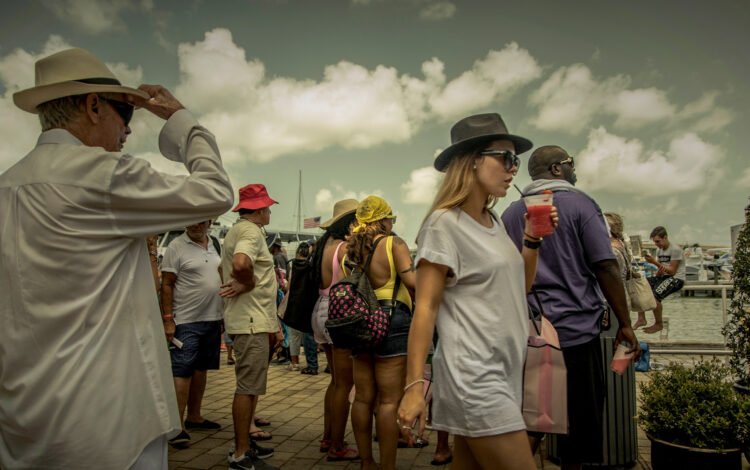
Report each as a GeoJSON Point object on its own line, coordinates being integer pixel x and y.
{"type": "Point", "coordinates": [541, 312]}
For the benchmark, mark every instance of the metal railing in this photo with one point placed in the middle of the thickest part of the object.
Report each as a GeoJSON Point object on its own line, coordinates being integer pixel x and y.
{"type": "Point", "coordinates": [686, 349]}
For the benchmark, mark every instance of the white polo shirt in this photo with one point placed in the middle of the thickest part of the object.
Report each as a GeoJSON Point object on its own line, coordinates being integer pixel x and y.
{"type": "Point", "coordinates": [196, 291]}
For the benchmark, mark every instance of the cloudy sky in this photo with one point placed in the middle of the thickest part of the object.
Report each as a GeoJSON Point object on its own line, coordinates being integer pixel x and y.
{"type": "Point", "coordinates": [650, 97]}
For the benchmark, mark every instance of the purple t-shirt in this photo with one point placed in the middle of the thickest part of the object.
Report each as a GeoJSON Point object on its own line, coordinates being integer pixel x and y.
{"type": "Point", "coordinates": [565, 280]}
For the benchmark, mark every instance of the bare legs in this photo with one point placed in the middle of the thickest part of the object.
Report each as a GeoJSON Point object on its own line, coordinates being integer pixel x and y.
{"type": "Point", "coordinates": [243, 409]}
{"type": "Point", "coordinates": [658, 321]}
{"type": "Point", "coordinates": [342, 380]}
{"type": "Point", "coordinates": [195, 397]}
{"type": "Point", "coordinates": [384, 378]}
{"type": "Point", "coordinates": [443, 452]}
{"type": "Point", "coordinates": [328, 400]}
{"type": "Point", "coordinates": [509, 451]}
{"type": "Point", "coordinates": [189, 391]}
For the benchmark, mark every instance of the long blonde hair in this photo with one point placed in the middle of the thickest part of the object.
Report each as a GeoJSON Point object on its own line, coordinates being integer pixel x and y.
{"type": "Point", "coordinates": [457, 184]}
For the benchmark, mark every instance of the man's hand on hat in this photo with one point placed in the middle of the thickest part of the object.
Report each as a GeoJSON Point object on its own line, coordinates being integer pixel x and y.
{"type": "Point", "coordinates": [162, 102]}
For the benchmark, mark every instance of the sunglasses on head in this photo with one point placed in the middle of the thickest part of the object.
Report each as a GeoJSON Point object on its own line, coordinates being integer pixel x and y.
{"type": "Point", "coordinates": [509, 157]}
{"type": "Point", "coordinates": [125, 110]}
{"type": "Point", "coordinates": [563, 162]}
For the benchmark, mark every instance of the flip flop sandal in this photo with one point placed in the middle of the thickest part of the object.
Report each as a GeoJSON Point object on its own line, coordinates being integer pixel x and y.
{"type": "Point", "coordinates": [262, 422]}
{"type": "Point", "coordinates": [325, 444]}
{"type": "Point", "coordinates": [441, 462]}
{"type": "Point", "coordinates": [346, 453]}
{"type": "Point", "coordinates": [261, 435]}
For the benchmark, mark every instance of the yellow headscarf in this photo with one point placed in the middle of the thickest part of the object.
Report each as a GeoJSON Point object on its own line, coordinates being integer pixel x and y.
{"type": "Point", "coordinates": [371, 209]}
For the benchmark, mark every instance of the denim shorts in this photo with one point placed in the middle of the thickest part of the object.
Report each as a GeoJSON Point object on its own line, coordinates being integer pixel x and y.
{"type": "Point", "coordinates": [201, 347]}
{"type": "Point", "coordinates": [395, 342]}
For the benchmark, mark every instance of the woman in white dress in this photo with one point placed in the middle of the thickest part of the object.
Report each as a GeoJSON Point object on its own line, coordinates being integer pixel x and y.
{"type": "Point", "coordinates": [472, 283]}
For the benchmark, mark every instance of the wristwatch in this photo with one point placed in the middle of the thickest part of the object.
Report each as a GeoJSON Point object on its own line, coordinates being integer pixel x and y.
{"type": "Point", "coordinates": [531, 244]}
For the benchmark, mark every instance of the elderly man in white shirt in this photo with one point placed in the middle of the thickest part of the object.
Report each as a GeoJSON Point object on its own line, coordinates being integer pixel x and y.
{"type": "Point", "coordinates": [75, 273]}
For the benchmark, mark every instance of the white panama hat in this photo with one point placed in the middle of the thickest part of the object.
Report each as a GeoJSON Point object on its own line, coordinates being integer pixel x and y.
{"type": "Point", "coordinates": [70, 72]}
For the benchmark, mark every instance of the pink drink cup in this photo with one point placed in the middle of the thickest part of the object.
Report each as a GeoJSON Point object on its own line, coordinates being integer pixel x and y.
{"type": "Point", "coordinates": [621, 360]}
{"type": "Point", "coordinates": [539, 207]}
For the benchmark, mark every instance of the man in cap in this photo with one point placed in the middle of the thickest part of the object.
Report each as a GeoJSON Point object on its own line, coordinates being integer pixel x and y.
{"type": "Point", "coordinates": [75, 273]}
{"type": "Point", "coordinates": [577, 276]}
{"type": "Point", "coordinates": [249, 291]}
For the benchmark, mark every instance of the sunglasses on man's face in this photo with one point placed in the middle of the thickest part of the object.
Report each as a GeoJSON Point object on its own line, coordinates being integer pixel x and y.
{"type": "Point", "coordinates": [125, 110]}
{"type": "Point", "coordinates": [509, 158]}
{"type": "Point", "coordinates": [563, 162]}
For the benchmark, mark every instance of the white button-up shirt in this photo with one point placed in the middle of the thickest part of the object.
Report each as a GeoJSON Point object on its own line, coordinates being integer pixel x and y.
{"type": "Point", "coordinates": [85, 378]}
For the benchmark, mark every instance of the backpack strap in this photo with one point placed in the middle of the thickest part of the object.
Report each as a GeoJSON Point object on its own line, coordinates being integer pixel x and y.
{"type": "Point", "coordinates": [216, 243]}
{"type": "Point", "coordinates": [369, 257]}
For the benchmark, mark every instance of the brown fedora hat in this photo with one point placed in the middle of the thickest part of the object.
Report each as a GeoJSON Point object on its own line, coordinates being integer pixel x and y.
{"type": "Point", "coordinates": [475, 130]}
{"type": "Point", "coordinates": [68, 73]}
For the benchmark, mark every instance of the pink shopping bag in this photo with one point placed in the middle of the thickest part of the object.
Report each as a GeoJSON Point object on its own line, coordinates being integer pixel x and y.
{"type": "Point", "coordinates": [545, 396]}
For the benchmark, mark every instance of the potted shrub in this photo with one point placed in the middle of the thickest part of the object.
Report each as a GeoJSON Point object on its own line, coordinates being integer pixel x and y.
{"type": "Point", "coordinates": [737, 329]}
{"type": "Point", "coordinates": [694, 418]}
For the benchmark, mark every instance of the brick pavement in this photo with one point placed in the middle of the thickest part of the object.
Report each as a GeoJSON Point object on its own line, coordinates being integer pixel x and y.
{"type": "Point", "coordinates": [294, 405]}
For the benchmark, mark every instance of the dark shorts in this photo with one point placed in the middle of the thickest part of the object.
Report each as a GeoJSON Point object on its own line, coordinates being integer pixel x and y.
{"type": "Point", "coordinates": [664, 286]}
{"type": "Point", "coordinates": [201, 347]}
{"type": "Point", "coordinates": [585, 366]}
{"type": "Point", "coordinates": [398, 332]}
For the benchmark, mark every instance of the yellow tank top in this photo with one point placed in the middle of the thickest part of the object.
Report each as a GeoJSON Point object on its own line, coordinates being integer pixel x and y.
{"type": "Point", "coordinates": [386, 291]}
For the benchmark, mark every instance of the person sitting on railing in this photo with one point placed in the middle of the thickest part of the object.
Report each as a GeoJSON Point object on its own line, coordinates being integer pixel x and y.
{"type": "Point", "coordinates": [669, 278]}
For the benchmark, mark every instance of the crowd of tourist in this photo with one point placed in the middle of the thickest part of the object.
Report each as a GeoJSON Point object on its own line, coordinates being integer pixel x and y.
{"type": "Point", "coordinates": [461, 305]}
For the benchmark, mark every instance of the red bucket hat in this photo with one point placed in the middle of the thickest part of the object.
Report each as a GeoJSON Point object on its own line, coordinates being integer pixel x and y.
{"type": "Point", "coordinates": [254, 196]}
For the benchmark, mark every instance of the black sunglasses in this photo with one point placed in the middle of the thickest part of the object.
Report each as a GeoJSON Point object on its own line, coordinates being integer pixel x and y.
{"type": "Point", "coordinates": [510, 159]}
{"type": "Point", "coordinates": [563, 162]}
{"type": "Point", "coordinates": [125, 110]}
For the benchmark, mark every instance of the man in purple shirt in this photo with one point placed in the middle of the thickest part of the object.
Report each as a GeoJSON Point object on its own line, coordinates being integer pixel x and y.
{"type": "Point", "coordinates": [576, 277]}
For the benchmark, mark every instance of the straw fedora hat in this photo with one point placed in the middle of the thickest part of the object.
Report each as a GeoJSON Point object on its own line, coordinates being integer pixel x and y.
{"type": "Point", "coordinates": [476, 130]}
{"type": "Point", "coordinates": [340, 209]}
{"type": "Point", "coordinates": [67, 73]}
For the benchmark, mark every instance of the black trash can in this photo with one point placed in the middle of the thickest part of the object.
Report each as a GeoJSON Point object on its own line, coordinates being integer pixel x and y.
{"type": "Point", "coordinates": [619, 430]}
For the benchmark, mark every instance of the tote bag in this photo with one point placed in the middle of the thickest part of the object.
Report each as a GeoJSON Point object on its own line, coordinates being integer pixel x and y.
{"type": "Point", "coordinates": [639, 291]}
{"type": "Point", "coordinates": [545, 379]}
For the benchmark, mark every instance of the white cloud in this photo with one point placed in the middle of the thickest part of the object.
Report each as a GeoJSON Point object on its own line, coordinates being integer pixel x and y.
{"type": "Point", "coordinates": [438, 11]}
{"type": "Point", "coordinates": [635, 108]}
{"type": "Point", "coordinates": [325, 198]}
{"type": "Point", "coordinates": [615, 164]}
{"type": "Point", "coordinates": [571, 97]}
{"type": "Point", "coordinates": [495, 78]}
{"type": "Point", "coordinates": [260, 118]}
{"type": "Point", "coordinates": [744, 181]}
{"type": "Point", "coordinates": [95, 17]}
{"type": "Point", "coordinates": [705, 114]}
{"type": "Point", "coordinates": [421, 187]}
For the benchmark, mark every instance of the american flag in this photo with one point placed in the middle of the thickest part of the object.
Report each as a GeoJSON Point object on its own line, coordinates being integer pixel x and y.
{"type": "Point", "coordinates": [311, 222]}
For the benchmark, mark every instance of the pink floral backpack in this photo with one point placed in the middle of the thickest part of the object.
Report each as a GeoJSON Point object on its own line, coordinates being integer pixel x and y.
{"type": "Point", "coordinates": [355, 318]}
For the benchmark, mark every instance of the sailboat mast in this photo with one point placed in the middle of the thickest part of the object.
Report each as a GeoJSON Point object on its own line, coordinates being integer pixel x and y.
{"type": "Point", "coordinates": [299, 203]}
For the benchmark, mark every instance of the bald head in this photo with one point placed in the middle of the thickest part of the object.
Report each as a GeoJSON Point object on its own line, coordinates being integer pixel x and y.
{"type": "Point", "coordinates": [545, 163]}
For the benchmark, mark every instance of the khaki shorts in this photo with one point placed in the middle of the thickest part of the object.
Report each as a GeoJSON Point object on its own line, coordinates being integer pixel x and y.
{"type": "Point", "coordinates": [251, 367]}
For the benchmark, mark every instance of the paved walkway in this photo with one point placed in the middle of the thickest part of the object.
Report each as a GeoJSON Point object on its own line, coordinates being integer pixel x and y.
{"type": "Point", "coordinates": [294, 405]}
